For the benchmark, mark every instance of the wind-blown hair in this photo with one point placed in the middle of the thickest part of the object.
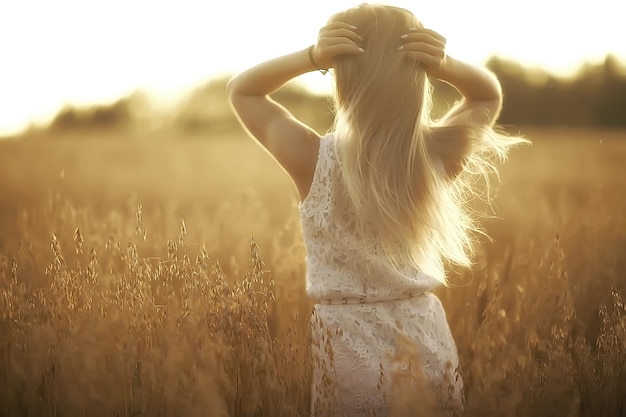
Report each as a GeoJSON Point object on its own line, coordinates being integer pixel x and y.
{"type": "Point", "coordinates": [408, 177]}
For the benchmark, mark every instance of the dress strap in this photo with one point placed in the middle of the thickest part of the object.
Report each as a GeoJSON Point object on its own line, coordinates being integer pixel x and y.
{"type": "Point", "coordinates": [319, 193]}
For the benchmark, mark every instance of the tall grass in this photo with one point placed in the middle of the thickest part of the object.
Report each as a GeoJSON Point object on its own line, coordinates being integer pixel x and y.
{"type": "Point", "coordinates": [104, 329]}
{"type": "Point", "coordinates": [173, 308]}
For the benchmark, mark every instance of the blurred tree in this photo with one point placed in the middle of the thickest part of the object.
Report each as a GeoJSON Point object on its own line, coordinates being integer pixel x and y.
{"type": "Point", "coordinates": [125, 113]}
{"type": "Point", "coordinates": [66, 118]}
{"type": "Point", "coordinates": [207, 110]}
{"type": "Point", "coordinates": [610, 110]}
{"type": "Point", "coordinates": [595, 97]}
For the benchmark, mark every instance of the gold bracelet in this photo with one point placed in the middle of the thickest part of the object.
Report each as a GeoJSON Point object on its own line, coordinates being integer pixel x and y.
{"type": "Point", "coordinates": [323, 71]}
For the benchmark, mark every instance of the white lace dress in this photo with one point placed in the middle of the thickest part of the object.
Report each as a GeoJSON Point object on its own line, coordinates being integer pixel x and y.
{"type": "Point", "coordinates": [365, 306]}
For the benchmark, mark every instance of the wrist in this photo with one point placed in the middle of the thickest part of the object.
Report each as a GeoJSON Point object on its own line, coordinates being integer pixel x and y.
{"type": "Point", "coordinates": [313, 61]}
{"type": "Point", "coordinates": [446, 72]}
{"type": "Point", "coordinates": [473, 82]}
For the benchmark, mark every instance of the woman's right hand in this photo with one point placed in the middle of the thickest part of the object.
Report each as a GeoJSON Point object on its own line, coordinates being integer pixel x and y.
{"type": "Point", "coordinates": [335, 39]}
{"type": "Point", "coordinates": [427, 47]}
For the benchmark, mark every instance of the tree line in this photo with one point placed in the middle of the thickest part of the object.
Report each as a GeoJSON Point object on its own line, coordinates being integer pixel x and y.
{"type": "Point", "coordinates": [595, 97]}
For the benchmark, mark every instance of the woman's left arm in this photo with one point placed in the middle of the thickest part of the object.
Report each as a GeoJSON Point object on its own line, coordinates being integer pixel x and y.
{"type": "Point", "coordinates": [273, 126]}
{"type": "Point", "coordinates": [266, 120]}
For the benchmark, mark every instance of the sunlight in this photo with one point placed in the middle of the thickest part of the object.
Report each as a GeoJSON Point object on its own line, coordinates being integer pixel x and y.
{"type": "Point", "coordinates": [71, 51]}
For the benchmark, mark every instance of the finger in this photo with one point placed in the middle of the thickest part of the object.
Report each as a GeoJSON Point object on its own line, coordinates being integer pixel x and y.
{"type": "Point", "coordinates": [423, 47]}
{"type": "Point", "coordinates": [344, 49]}
{"type": "Point", "coordinates": [337, 25]}
{"type": "Point", "coordinates": [431, 34]}
{"type": "Point", "coordinates": [436, 35]}
{"type": "Point", "coordinates": [330, 41]}
{"type": "Point", "coordinates": [422, 37]}
{"type": "Point", "coordinates": [345, 33]}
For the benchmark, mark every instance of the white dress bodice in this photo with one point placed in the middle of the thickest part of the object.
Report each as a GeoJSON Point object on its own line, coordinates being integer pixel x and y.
{"type": "Point", "coordinates": [335, 249]}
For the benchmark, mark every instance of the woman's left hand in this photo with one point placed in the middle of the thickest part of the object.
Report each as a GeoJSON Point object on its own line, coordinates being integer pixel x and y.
{"type": "Point", "coordinates": [426, 47]}
{"type": "Point", "coordinates": [335, 39]}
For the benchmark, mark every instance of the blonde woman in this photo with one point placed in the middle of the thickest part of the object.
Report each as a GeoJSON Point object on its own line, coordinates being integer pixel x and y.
{"type": "Point", "coordinates": [382, 196]}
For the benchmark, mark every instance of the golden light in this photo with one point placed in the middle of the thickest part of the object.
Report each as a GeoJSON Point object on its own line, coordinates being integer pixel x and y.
{"type": "Point", "coordinates": [73, 51]}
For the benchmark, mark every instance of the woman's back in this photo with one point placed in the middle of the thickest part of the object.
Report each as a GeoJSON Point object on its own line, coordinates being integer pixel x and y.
{"type": "Point", "coordinates": [345, 261]}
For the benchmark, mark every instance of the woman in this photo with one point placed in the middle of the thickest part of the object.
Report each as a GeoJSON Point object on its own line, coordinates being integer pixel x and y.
{"type": "Point", "coordinates": [382, 197]}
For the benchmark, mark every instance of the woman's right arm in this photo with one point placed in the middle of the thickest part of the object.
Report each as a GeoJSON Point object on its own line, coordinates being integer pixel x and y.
{"type": "Point", "coordinates": [481, 91]}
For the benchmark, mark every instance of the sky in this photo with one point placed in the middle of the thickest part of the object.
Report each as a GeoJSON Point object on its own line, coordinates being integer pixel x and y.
{"type": "Point", "coordinates": [60, 52]}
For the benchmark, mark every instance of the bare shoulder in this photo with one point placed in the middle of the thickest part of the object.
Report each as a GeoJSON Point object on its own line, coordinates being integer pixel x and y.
{"type": "Point", "coordinates": [292, 143]}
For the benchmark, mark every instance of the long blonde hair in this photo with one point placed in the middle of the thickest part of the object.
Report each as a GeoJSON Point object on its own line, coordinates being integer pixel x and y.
{"type": "Point", "coordinates": [408, 179]}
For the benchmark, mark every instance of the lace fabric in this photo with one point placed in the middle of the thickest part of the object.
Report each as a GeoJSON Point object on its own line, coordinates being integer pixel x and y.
{"type": "Point", "coordinates": [355, 343]}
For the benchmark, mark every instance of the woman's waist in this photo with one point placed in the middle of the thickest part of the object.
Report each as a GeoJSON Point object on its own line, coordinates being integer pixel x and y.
{"type": "Point", "coordinates": [372, 298]}
{"type": "Point", "coordinates": [351, 287]}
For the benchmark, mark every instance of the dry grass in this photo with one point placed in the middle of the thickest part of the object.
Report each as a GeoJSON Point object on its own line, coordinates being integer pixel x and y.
{"type": "Point", "coordinates": [130, 285]}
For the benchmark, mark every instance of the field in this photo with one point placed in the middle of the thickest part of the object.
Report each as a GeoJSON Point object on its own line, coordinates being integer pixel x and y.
{"type": "Point", "coordinates": [164, 276]}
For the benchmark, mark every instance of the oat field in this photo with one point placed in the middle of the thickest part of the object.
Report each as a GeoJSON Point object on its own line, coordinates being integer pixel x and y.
{"type": "Point", "coordinates": [164, 276]}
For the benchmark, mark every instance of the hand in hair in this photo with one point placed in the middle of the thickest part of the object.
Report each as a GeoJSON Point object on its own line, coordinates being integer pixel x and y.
{"type": "Point", "coordinates": [426, 47]}
{"type": "Point", "coordinates": [335, 39]}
